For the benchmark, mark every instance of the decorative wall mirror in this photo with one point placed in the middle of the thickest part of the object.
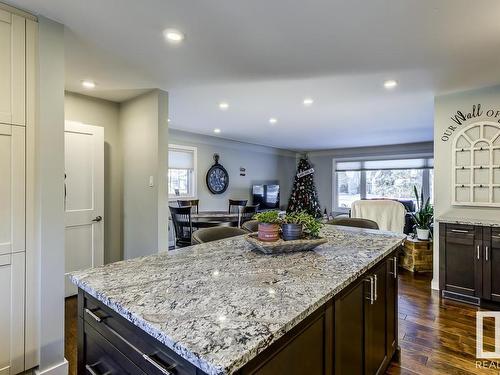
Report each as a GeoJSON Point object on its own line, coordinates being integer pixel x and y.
{"type": "Point", "coordinates": [476, 165]}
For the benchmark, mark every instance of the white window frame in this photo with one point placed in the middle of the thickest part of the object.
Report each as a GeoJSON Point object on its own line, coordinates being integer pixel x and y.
{"type": "Point", "coordinates": [194, 150]}
{"type": "Point", "coordinates": [362, 181]}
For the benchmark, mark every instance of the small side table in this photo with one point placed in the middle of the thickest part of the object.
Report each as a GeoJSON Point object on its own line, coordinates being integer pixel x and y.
{"type": "Point", "coordinates": [417, 255]}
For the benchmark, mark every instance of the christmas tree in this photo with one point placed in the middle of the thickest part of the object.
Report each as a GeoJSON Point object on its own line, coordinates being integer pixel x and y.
{"type": "Point", "coordinates": [304, 196]}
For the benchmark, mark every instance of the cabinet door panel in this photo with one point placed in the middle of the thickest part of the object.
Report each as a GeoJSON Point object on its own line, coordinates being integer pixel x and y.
{"type": "Point", "coordinates": [492, 265]}
{"type": "Point", "coordinates": [349, 338]}
{"type": "Point", "coordinates": [461, 256]}
{"type": "Point", "coordinates": [12, 189]}
{"type": "Point", "coordinates": [12, 312]}
{"type": "Point", "coordinates": [12, 68]}
{"type": "Point", "coordinates": [375, 324]}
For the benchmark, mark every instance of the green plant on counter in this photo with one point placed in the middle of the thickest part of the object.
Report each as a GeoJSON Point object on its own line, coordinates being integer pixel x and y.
{"type": "Point", "coordinates": [424, 215]}
{"type": "Point", "coordinates": [268, 217]}
{"type": "Point", "coordinates": [311, 225]}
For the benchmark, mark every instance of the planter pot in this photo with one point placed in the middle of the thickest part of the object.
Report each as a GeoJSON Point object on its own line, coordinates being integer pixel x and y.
{"type": "Point", "coordinates": [291, 231]}
{"type": "Point", "coordinates": [269, 232]}
{"type": "Point", "coordinates": [423, 234]}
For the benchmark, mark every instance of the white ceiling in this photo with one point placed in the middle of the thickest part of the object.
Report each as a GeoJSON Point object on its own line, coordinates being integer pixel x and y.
{"type": "Point", "coordinates": [265, 57]}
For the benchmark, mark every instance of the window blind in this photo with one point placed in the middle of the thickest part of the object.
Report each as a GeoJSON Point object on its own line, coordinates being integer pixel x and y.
{"type": "Point", "coordinates": [180, 159]}
{"type": "Point", "coordinates": [370, 165]}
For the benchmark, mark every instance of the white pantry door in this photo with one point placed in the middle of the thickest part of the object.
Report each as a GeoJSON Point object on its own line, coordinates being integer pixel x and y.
{"type": "Point", "coordinates": [83, 198]}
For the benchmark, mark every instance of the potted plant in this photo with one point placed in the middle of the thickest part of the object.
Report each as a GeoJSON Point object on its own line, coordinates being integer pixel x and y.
{"type": "Point", "coordinates": [269, 225]}
{"type": "Point", "coordinates": [423, 216]}
{"type": "Point", "coordinates": [312, 226]}
{"type": "Point", "coordinates": [291, 228]}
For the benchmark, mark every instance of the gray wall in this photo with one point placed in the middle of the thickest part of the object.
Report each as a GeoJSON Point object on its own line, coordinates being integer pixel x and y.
{"type": "Point", "coordinates": [50, 182]}
{"type": "Point", "coordinates": [445, 107]}
{"type": "Point", "coordinates": [98, 112]}
{"type": "Point", "coordinates": [323, 163]}
{"type": "Point", "coordinates": [144, 136]}
{"type": "Point", "coordinates": [262, 164]}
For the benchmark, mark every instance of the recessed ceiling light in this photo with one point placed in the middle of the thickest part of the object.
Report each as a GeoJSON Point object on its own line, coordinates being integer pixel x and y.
{"type": "Point", "coordinates": [390, 84]}
{"type": "Point", "coordinates": [173, 35]}
{"type": "Point", "coordinates": [217, 130]}
{"type": "Point", "coordinates": [308, 102]}
{"type": "Point", "coordinates": [168, 120]}
{"type": "Point", "coordinates": [223, 106]}
{"type": "Point", "coordinates": [88, 84]}
{"type": "Point", "coordinates": [273, 120]}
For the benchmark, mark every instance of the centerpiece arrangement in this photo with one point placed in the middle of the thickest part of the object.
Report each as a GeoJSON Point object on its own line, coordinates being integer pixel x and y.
{"type": "Point", "coordinates": [296, 231]}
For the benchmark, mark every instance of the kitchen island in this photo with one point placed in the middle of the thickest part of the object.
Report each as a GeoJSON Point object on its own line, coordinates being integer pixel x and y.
{"type": "Point", "coordinates": [223, 308]}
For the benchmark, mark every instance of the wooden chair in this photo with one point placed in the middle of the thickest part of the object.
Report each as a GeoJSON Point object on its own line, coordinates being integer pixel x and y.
{"type": "Point", "coordinates": [354, 222]}
{"type": "Point", "coordinates": [216, 233]}
{"type": "Point", "coordinates": [250, 226]}
{"type": "Point", "coordinates": [235, 205]}
{"type": "Point", "coordinates": [247, 213]}
{"type": "Point", "coordinates": [194, 203]}
{"type": "Point", "coordinates": [181, 218]}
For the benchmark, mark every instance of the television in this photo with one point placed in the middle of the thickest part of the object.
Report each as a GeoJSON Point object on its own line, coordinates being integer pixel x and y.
{"type": "Point", "coordinates": [266, 196]}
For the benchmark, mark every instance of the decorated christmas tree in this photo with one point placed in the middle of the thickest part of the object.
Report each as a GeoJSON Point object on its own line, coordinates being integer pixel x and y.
{"type": "Point", "coordinates": [304, 196]}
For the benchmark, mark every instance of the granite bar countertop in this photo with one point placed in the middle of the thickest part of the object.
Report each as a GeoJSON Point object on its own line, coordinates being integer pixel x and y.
{"type": "Point", "coordinates": [220, 304]}
{"type": "Point", "coordinates": [468, 221]}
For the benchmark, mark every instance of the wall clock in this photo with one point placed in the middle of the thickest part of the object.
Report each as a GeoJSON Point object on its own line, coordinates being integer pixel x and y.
{"type": "Point", "coordinates": [217, 177]}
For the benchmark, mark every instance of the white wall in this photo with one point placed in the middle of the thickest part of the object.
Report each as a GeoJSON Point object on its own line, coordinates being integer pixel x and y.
{"type": "Point", "coordinates": [50, 182]}
{"type": "Point", "coordinates": [447, 106]}
{"type": "Point", "coordinates": [262, 164]}
{"type": "Point", "coordinates": [104, 113]}
{"type": "Point", "coordinates": [144, 136]}
{"type": "Point", "coordinates": [323, 163]}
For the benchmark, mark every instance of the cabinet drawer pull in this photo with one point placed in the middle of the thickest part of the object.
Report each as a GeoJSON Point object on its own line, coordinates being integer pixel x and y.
{"type": "Point", "coordinates": [478, 252]}
{"type": "Point", "coordinates": [459, 231]}
{"type": "Point", "coordinates": [91, 370]}
{"type": "Point", "coordinates": [394, 272]}
{"type": "Point", "coordinates": [371, 299]}
{"type": "Point", "coordinates": [94, 316]}
{"type": "Point", "coordinates": [486, 255]}
{"type": "Point", "coordinates": [375, 287]}
{"type": "Point", "coordinates": [162, 369]}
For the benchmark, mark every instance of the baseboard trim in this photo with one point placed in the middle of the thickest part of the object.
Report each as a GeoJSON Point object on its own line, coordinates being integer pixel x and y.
{"type": "Point", "coordinates": [59, 369]}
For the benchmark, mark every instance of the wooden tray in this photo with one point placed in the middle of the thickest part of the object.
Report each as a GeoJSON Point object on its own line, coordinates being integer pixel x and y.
{"type": "Point", "coordinates": [282, 246]}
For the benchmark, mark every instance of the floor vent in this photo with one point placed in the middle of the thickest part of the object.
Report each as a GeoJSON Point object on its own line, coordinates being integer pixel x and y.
{"type": "Point", "coordinates": [461, 297]}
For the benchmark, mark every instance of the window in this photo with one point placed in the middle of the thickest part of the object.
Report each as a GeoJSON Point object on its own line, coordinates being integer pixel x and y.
{"type": "Point", "coordinates": [181, 171]}
{"type": "Point", "coordinates": [372, 179]}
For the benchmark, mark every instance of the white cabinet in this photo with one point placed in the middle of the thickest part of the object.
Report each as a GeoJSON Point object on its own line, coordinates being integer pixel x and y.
{"type": "Point", "coordinates": [12, 68]}
{"type": "Point", "coordinates": [12, 189]}
{"type": "Point", "coordinates": [12, 276]}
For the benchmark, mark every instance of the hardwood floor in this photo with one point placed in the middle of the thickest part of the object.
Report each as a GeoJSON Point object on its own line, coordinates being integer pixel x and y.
{"type": "Point", "coordinates": [436, 336]}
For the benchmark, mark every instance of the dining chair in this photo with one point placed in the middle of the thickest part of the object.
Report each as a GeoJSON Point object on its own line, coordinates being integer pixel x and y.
{"type": "Point", "coordinates": [181, 218]}
{"type": "Point", "coordinates": [216, 233]}
{"type": "Point", "coordinates": [250, 226]}
{"type": "Point", "coordinates": [194, 203]}
{"type": "Point", "coordinates": [235, 205]}
{"type": "Point", "coordinates": [247, 213]}
{"type": "Point", "coordinates": [354, 222]}
{"type": "Point", "coordinates": [388, 214]}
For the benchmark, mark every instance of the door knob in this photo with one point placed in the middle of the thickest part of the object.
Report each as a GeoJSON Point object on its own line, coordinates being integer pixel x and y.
{"type": "Point", "coordinates": [97, 219]}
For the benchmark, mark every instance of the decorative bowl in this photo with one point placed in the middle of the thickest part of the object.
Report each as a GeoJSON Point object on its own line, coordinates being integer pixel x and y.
{"type": "Point", "coordinates": [282, 246]}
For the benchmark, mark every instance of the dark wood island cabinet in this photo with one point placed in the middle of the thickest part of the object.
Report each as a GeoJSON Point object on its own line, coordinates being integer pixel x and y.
{"type": "Point", "coordinates": [330, 311]}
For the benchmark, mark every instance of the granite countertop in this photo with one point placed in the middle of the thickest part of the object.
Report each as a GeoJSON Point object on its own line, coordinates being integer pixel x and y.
{"type": "Point", "coordinates": [219, 304]}
{"type": "Point", "coordinates": [468, 221]}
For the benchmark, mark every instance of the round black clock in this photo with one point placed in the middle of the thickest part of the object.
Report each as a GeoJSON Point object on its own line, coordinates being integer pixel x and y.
{"type": "Point", "coordinates": [217, 177]}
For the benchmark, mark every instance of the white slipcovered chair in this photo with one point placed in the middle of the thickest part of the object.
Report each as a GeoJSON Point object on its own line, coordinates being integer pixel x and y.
{"type": "Point", "coordinates": [388, 214]}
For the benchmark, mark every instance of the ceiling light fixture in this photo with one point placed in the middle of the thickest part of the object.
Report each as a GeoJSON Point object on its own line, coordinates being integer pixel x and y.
{"type": "Point", "coordinates": [223, 106]}
{"type": "Point", "coordinates": [88, 84]}
{"type": "Point", "coordinates": [390, 84]}
{"type": "Point", "coordinates": [217, 130]}
{"type": "Point", "coordinates": [273, 120]}
{"type": "Point", "coordinates": [308, 102]}
{"type": "Point", "coordinates": [173, 35]}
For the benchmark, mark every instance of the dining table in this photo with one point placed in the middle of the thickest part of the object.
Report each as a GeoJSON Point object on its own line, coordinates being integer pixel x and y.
{"type": "Point", "coordinates": [206, 219]}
